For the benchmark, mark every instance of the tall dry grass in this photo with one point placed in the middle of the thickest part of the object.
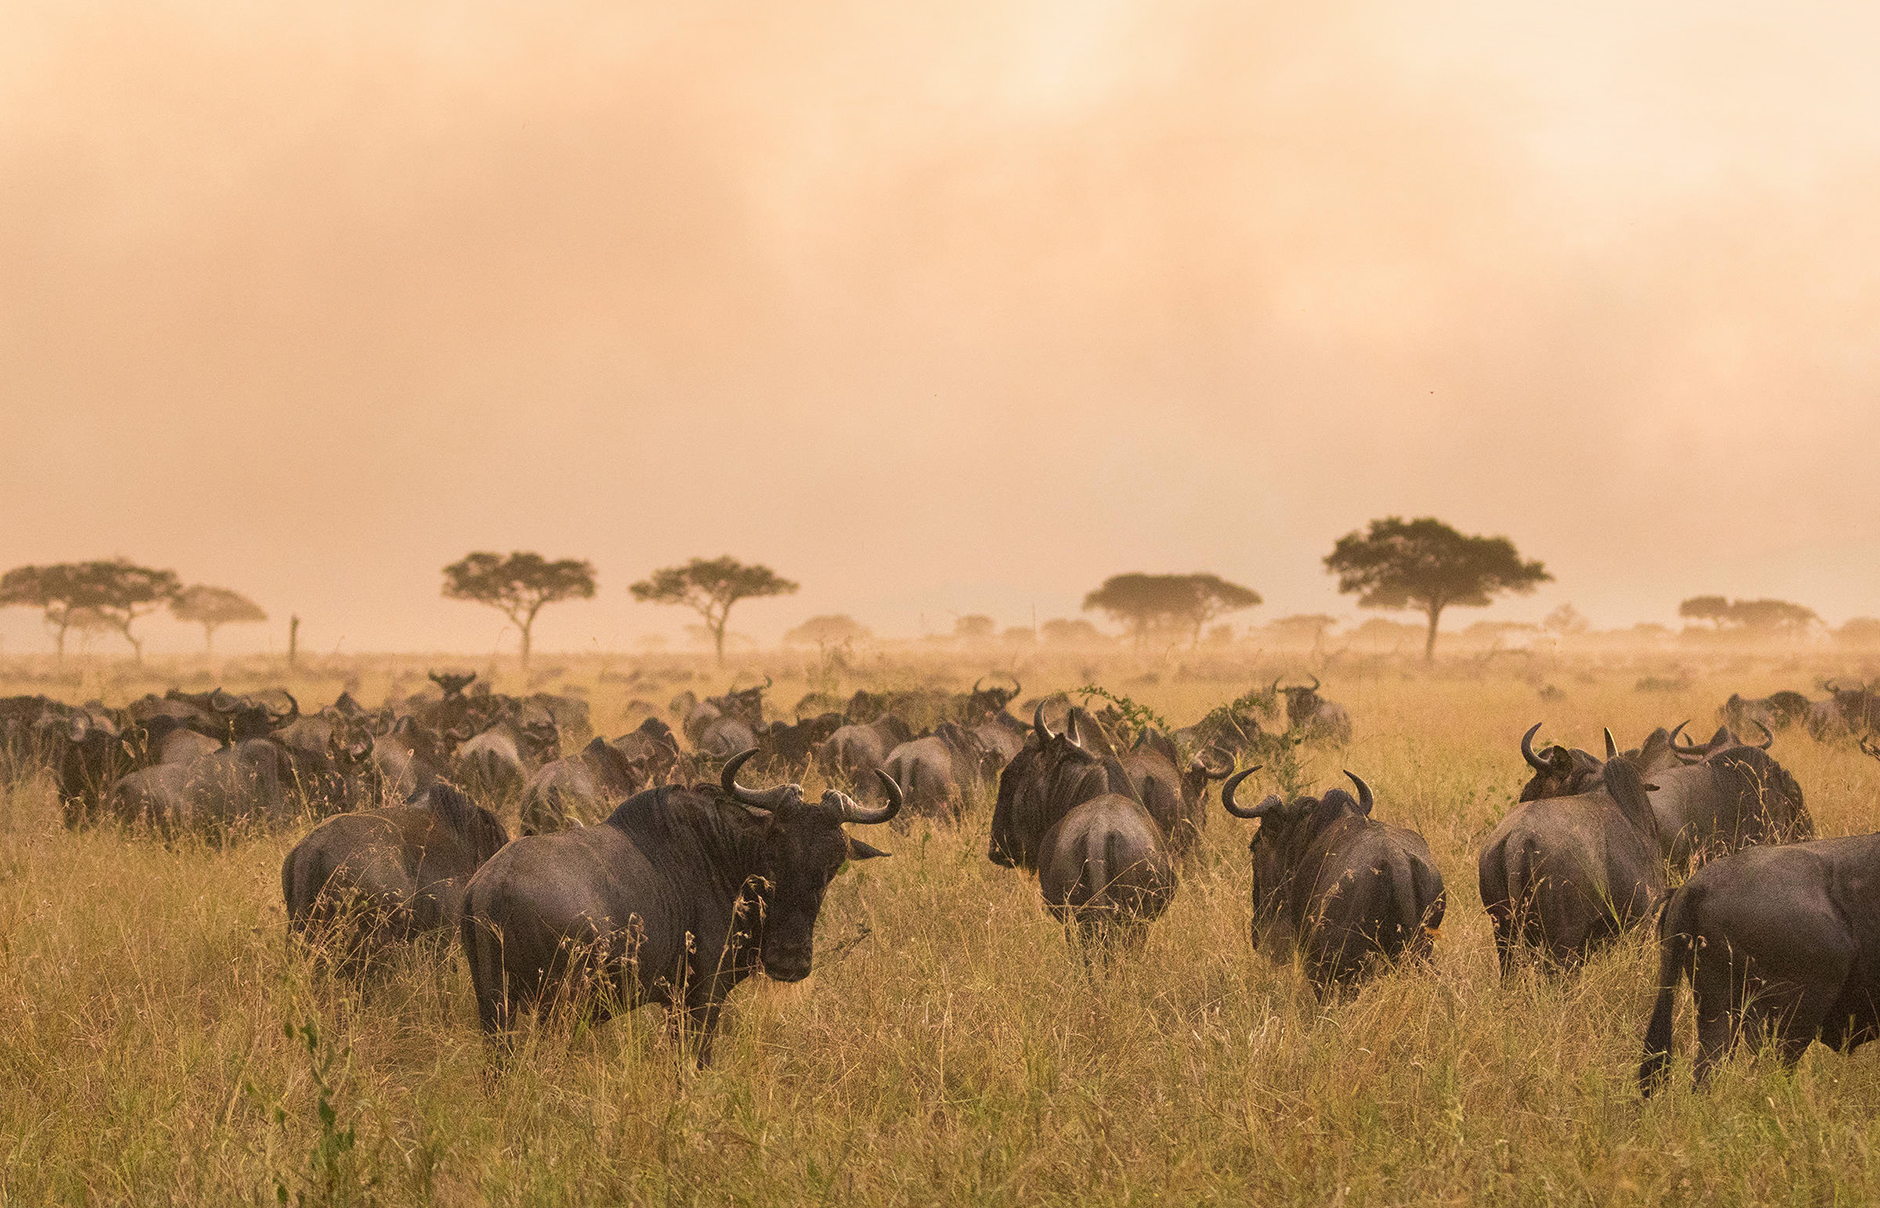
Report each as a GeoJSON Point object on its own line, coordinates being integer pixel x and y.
{"type": "Point", "coordinates": [955, 1051]}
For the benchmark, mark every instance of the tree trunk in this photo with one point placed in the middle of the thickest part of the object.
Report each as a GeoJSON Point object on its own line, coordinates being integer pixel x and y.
{"type": "Point", "coordinates": [59, 644]}
{"type": "Point", "coordinates": [525, 646]}
{"type": "Point", "coordinates": [293, 639]}
{"type": "Point", "coordinates": [1429, 644]}
{"type": "Point", "coordinates": [208, 640]}
{"type": "Point", "coordinates": [718, 638]}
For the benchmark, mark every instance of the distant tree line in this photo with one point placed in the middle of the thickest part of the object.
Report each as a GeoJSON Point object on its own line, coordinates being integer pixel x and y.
{"type": "Point", "coordinates": [112, 594]}
{"type": "Point", "coordinates": [1422, 565]}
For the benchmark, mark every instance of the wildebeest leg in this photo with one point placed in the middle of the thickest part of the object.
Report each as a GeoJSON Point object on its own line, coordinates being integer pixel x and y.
{"type": "Point", "coordinates": [1504, 939]}
{"type": "Point", "coordinates": [698, 1025]}
{"type": "Point", "coordinates": [1715, 993]}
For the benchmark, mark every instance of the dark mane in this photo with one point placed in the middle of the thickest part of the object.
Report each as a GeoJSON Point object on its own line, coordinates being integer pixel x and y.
{"type": "Point", "coordinates": [697, 825]}
{"type": "Point", "coordinates": [482, 830]}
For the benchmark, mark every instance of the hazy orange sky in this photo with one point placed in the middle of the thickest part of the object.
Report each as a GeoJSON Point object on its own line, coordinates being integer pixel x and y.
{"type": "Point", "coordinates": [937, 308]}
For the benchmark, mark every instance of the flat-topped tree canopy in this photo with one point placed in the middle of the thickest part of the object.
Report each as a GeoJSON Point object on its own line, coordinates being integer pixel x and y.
{"type": "Point", "coordinates": [214, 607]}
{"type": "Point", "coordinates": [1184, 604]}
{"type": "Point", "coordinates": [519, 585]}
{"type": "Point", "coordinates": [1427, 565]}
{"type": "Point", "coordinates": [710, 587]}
{"type": "Point", "coordinates": [104, 594]}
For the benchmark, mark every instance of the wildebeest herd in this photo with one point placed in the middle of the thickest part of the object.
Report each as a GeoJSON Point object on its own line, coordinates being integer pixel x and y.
{"type": "Point", "coordinates": [648, 870]}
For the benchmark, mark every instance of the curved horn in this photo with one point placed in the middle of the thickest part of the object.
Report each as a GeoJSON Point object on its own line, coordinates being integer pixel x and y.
{"type": "Point", "coordinates": [1274, 690]}
{"type": "Point", "coordinates": [1685, 748]}
{"type": "Point", "coordinates": [767, 800]}
{"type": "Point", "coordinates": [766, 686]}
{"type": "Point", "coordinates": [1242, 811]}
{"type": "Point", "coordinates": [1315, 683]}
{"type": "Point", "coordinates": [1017, 687]}
{"type": "Point", "coordinates": [1037, 722]}
{"type": "Point", "coordinates": [1612, 748]}
{"type": "Point", "coordinates": [851, 812]}
{"type": "Point", "coordinates": [293, 710]}
{"type": "Point", "coordinates": [1833, 685]}
{"type": "Point", "coordinates": [1070, 729]}
{"type": "Point", "coordinates": [976, 684]}
{"type": "Point", "coordinates": [1527, 750]}
{"type": "Point", "coordinates": [1769, 736]}
{"type": "Point", "coordinates": [1365, 800]}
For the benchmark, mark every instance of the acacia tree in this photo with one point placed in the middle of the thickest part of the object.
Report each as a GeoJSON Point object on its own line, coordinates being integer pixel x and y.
{"type": "Point", "coordinates": [710, 587]}
{"type": "Point", "coordinates": [212, 608]}
{"type": "Point", "coordinates": [974, 627]}
{"type": "Point", "coordinates": [1714, 609]}
{"type": "Point", "coordinates": [1145, 604]}
{"type": "Point", "coordinates": [1763, 616]}
{"type": "Point", "coordinates": [106, 594]}
{"type": "Point", "coordinates": [827, 630]}
{"type": "Point", "coordinates": [56, 590]}
{"type": "Point", "coordinates": [1427, 565]}
{"type": "Point", "coordinates": [518, 586]}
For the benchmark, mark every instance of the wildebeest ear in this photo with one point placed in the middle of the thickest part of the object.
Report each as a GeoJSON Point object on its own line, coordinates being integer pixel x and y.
{"type": "Point", "coordinates": [859, 850]}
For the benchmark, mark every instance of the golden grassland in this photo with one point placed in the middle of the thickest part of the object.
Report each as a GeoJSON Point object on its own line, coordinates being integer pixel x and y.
{"type": "Point", "coordinates": [949, 1048]}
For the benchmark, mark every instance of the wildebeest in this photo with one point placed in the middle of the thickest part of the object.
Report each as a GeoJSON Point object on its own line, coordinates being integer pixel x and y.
{"type": "Point", "coordinates": [1224, 735]}
{"type": "Point", "coordinates": [499, 760]}
{"type": "Point", "coordinates": [1563, 772]}
{"type": "Point", "coordinates": [1105, 868]}
{"type": "Point", "coordinates": [939, 772]}
{"type": "Point", "coordinates": [1707, 798]}
{"type": "Point", "coordinates": [678, 896]}
{"type": "Point", "coordinates": [982, 702]}
{"type": "Point", "coordinates": [386, 876]}
{"type": "Point", "coordinates": [1564, 875]}
{"type": "Point", "coordinates": [1311, 716]}
{"type": "Point", "coordinates": [1728, 796]}
{"type": "Point", "coordinates": [1173, 792]}
{"type": "Point", "coordinates": [1053, 775]}
{"type": "Point", "coordinates": [654, 749]}
{"type": "Point", "coordinates": [409, 757]}
{"type": "Point", "coordinates": [854, 753]}
{"type": "Point", "coordinates": [790, 746]}
{"type": "Point", "coordinates": [1777, 711]}
{"type": "Point", "coordinates": [1780, 942]}
{"type": "Point", "coordinates": [260, 781]}
{"type": "Point", "coordinates": [1342, 889]}
{"type": "Point", "coordinates": [576, 790]}
{"type": "Point", "coordinates": [218, 713]}
{"type": "Point", "coordinates": [746, 707]}
{"type": "Point", "coordinates": [1847, 711]}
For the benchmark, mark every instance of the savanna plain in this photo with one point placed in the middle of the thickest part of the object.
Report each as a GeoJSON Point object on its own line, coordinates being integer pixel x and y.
{"type": "Point", "coordinates": [161, 1041]}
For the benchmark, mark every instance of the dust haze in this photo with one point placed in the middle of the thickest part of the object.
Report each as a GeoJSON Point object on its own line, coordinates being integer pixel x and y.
{"type": "Point", "coordinates": [935, 308]}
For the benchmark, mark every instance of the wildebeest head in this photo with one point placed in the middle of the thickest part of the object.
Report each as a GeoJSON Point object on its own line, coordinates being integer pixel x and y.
{"type": "Point", "coordinates": [1302, 703]}
{"type": "Point", "coordinates": [1285, 830]}
{"type": "Point", "coordinates": [801, 848]}
{"type": "Point", "coordinates": [983, 702]}
{"type": "Point", "coordinates": [1858, 706]}
{"type": "Point", "coordinates": [1558, 771]}
{"type": "Point", "coordinates": [747, 705]}
{"type": "Point", "coordinates": [1722, 740]}
{"type": "Point", "coordinates": [452, 683]}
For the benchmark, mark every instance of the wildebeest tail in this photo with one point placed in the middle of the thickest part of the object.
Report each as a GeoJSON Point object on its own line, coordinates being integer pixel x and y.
{"type": "Point", "coordinates": [483, 950]}
{"type": "Point", "coordinates": [1674, 963]}
{"type": "Point", "coordinates": [1417, 893]}
{"type": "Point", "coordinates": [303, 875]}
